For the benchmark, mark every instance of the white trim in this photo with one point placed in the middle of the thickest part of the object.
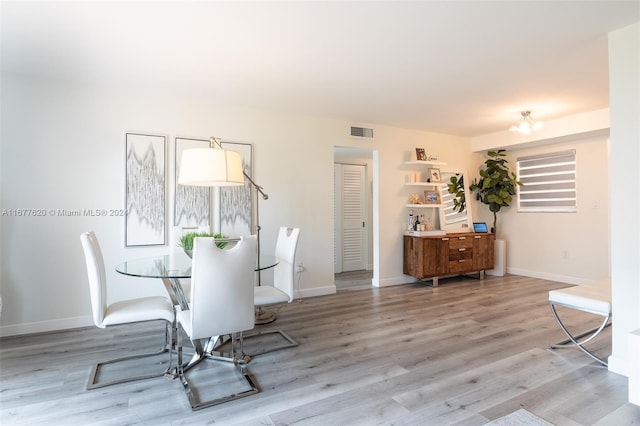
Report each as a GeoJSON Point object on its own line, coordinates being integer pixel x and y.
{"type": "Point", "coordinates": [46, 326]}
{"type": "Point", "coordinates": [547, 276]}
{"type": "Point", "coordinates": [316, 291]}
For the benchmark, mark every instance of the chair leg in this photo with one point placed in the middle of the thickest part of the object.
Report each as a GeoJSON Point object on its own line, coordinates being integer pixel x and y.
{"type": "Point", "coordinates": [240, 366]}
{"type": "Point", "coordinates": [93, 383]}
{"type": "Point", "coordinates": [574, 341]}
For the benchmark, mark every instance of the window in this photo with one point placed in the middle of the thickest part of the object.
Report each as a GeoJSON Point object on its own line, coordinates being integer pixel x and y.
{"type": "Point", "coordinates": [549, 182]}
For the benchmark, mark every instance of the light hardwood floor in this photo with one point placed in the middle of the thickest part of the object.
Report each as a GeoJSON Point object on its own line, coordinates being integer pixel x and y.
{"type": "Point", "coordinates": [353, 280]}
{"type": "Point", "coordinates": [463, 353]}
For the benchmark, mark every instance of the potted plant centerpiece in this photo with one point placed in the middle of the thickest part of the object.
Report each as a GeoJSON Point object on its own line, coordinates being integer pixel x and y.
{"type": "Point", "coordinates": [186, 241]}
{"type": "Point", "coordinates": [495, 187]}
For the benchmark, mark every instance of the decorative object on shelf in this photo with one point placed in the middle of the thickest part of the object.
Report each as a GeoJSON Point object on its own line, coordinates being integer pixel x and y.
{"type": "Point", "coordinates": [186, 241]}
{"type": "Point", "coordinates": [421, 154]}
{"type": "Point", "coordinates": [527, 124]}
{"type": "Point", "coordinates": [434, 175]}
{"type": "Point", "coordinates": [497, 185]}
{"type": "Point", "coordinates": [431, 197]}
{"type": "Point", "coordinates": [410, 222]}
{"type": "Point", "coordinates": [432, 157]}
{"type": "Point", "coordinates": [414, 199]}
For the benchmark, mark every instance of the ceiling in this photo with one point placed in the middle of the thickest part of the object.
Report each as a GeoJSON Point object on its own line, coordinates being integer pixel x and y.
{"type": "Point", "coordinates": [458, 67]}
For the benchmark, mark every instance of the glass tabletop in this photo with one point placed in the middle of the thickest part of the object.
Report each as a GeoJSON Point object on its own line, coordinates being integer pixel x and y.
{"type": "Point", "coordinates": [173, 265]}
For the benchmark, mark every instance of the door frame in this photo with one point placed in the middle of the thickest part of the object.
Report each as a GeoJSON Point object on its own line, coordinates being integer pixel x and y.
{"type": "Point", "coordinates": [341, 155]}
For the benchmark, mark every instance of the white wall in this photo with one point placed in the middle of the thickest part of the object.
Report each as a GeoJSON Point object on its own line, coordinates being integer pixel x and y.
{"type": "Point", "coordinates": [624, 93]}
{"type": "Point", "coordinates": [565, 247]}
{"type": "Point", "coordinates": [63, 148]}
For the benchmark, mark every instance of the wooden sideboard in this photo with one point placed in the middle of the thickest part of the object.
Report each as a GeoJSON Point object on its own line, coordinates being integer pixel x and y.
{"type": "Point", "coordinates": [451, 254]}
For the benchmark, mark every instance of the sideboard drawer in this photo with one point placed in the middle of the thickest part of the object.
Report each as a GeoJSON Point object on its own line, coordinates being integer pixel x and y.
{"type": "Point", "coordinates": [460, 242]}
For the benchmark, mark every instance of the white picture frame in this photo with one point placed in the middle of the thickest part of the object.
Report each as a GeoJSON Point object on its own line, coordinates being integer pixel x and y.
{"type": "Point", "coordinates": [145, 187]}
{"type": "Point", "coordinates": [235, 203]}
{"type": "Point", "coordinates": [192, 204]}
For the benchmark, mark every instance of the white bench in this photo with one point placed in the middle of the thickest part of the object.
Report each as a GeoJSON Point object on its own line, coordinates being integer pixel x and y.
{"type": "Point", "coordinates": [594, 298]}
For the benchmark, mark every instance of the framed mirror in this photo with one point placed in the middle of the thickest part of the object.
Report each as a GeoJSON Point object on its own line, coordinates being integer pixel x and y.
{"type": "Point", "coordinates": [452, 220]}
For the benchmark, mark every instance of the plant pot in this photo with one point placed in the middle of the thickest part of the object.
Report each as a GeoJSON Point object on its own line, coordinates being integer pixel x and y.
{"type": "Point", "coordinates": [499, 259]}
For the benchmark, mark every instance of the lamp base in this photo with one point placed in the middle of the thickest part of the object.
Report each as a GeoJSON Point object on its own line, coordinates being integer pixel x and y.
{"type": "Point", "coordinates": [264, 317]}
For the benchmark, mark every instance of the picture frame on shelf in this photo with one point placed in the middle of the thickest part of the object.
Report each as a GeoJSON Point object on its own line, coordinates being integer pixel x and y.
{"type": "Point", "coordinates": [431, 197]}
{"type": "Point", "coordinates": [421, 155]}
{"type": "Point", "coordinates": [434, 175]}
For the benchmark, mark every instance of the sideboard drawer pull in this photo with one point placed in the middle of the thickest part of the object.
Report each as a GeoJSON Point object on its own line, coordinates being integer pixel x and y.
{"type": "Point", "coordinates": [462, 249]}
{"type": "Point", "coordinates": [462, 238]}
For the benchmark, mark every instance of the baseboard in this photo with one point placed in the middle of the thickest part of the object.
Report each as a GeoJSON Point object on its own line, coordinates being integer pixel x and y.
{"type": "Point", "coordinates": [387, 282]}
{"type": "Point", "coordinates": [45, 326]}
{"type": "Point", "coordinates": [618, 365]}
{"type": "Point", "coordinates": [316, 291]}
{"type": "Point", "coordinates": [551, 277]}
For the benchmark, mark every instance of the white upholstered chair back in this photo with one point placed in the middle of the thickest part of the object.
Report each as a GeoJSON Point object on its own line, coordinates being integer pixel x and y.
{"type": "Point", "coordinates": [284, 271]}
{"type": "Point", "coordinates": [96, 275]}
{"type": "Point", "coordinates": [222, 283]}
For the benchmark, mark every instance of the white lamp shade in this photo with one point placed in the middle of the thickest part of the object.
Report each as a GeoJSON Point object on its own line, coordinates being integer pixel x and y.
{"type": "Point", "coordinates": [210, 167]}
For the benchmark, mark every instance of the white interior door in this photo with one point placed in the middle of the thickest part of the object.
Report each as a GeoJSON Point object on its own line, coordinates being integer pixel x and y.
{"type": "Point", "coordinates": [351, 212]}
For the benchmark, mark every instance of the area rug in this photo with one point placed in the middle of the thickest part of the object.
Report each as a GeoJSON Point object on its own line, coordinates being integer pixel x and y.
{"type": "Point", "coordinates": [519, 418]}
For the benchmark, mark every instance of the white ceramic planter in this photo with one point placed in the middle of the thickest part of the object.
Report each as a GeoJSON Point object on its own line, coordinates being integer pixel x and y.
{"type": "Point", "coordinates": [500, 259]}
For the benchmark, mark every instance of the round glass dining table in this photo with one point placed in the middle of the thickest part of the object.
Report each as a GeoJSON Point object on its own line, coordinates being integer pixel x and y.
{"type": "Point", "coordinates": [172, 267]}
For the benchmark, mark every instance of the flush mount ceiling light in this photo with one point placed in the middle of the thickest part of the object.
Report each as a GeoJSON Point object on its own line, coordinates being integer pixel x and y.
{"type": "Point", "coordinates": [527, 124]}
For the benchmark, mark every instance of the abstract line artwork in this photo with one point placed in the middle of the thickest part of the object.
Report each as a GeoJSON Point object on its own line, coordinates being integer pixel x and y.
{"type": "Point", "coordinates": [192, 203]}
{"type": "Point", "coordinates": [145, 190]}
{"type": "Point", "coordinates": [236, 201]}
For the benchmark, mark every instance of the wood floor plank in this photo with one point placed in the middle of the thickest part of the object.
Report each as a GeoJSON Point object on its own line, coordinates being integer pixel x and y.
{"type": "Point", "coordinates": [463, 353]}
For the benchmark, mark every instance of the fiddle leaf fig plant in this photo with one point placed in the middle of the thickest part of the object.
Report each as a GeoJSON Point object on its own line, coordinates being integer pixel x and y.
{"type": "Point", "coordinates": [496, 185]}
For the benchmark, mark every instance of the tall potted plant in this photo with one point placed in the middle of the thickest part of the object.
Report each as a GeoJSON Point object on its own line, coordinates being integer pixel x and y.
{"type": "Point", "coordinates": [495, 188]}
{"type": "Point", "coordinates": [496, 185]}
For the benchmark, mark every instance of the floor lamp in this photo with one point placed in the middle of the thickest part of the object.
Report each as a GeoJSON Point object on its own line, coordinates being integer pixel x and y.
{"type": "Point", "coordinates": [216, 166]}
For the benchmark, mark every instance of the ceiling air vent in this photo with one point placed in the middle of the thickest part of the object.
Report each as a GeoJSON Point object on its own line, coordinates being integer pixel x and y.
{"type": "Point", "coordinates": [361, 132]}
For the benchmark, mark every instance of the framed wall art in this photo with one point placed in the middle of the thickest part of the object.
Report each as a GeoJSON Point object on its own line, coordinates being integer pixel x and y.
{"type": "Point", "coordinates": [434, 175]}
{"type": "Point", "coordinates": [236, 202]}
{"type": "Point", "coordinates": [145, 190]}
{"type": "Point", "coordinates": [431, 197]}
{"type": "Point", "coordinates": [192, 204]}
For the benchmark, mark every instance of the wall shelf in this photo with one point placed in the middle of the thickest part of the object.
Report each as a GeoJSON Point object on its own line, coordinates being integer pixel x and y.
{"type": "Point", "coordinates": [423, 206]}
{"type": "Point", "coordinates": [425, 163]}
{"type": "Point", "coordinates": [430, 184]}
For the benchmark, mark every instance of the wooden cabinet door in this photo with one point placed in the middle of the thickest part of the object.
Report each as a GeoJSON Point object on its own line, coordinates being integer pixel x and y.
{"type": "Point", "coordinates": [483, 252]}
{"type": "Point", "coordinates": [424, 257]}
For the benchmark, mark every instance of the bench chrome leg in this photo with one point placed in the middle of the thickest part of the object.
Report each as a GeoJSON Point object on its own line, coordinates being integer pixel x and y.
{"type": "Point", "coordinates": [574, 341]}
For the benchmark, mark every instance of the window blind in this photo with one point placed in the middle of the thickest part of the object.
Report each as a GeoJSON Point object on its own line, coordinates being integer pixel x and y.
{"type": "Point", "coordinates": [549, 182]}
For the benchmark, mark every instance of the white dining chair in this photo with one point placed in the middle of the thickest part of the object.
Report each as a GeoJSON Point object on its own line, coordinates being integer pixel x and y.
{"type": "Point", "coordinates": [152, 308]}
{"type": "Point", "coordinates": [283, 288]}
{"type": "Point", "coordinates": [221, 304]}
